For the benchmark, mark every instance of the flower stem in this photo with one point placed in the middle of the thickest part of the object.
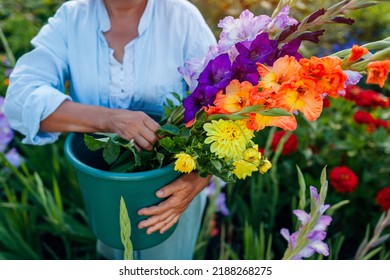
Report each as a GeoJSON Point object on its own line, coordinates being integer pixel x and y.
{"type": "Point", "coordinates": [383, 222]}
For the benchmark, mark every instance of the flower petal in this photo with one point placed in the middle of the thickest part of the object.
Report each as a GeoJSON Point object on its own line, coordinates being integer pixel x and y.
{"type": "Point", "coordinates": [302, 216]}
{"type": "Point", "coordinates": [286, 234]}
{"type": "Point", "coordinates": [320, 247]}
{"type": "Point", "coordinates": [322, 223]}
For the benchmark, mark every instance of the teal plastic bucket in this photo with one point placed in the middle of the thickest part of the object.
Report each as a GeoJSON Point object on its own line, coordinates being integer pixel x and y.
{"type": "Point", "coordinates": [102, 191]}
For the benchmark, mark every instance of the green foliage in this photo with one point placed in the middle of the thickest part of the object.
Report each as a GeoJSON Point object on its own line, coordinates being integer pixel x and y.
{"type": "Point", "coordinates": [41, 211]}
{"type": "Point", "coordinates": [43, 215]}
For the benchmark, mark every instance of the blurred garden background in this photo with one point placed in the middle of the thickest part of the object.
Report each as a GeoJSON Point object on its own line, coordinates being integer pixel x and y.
{"type": "Point", "coordinates": [41, 209]}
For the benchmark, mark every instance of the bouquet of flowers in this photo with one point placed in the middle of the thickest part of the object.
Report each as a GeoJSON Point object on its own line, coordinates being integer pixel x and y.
{"type": "Point", "coordinates": [253, 78]}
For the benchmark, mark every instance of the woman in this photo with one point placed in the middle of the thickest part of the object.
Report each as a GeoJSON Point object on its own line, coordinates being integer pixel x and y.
{"type": "Point", "coordinates": [121, 57]}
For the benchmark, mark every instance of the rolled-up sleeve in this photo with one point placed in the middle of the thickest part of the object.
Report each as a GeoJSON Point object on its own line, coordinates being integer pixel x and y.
{"type": "Point", "coordinates": [37, 82]}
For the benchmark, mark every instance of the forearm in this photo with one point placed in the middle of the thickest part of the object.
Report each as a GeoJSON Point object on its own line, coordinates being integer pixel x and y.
{"type": "Point", "coordinates": [75, 117]}
{"type": "Point", "coordinates": [200, 182]}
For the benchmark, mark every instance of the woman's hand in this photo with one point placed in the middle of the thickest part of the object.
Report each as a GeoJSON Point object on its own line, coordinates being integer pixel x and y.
{"type": "Point", "coordinates": [134, 125]}
{"type": "Point", "coordinates": [179, 194]}
{"type": "Point", "coordinates": [72, 116]}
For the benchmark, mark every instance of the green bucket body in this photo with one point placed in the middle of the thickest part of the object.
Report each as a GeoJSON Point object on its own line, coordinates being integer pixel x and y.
{"type": "Point", "coordinates": [102, 191]}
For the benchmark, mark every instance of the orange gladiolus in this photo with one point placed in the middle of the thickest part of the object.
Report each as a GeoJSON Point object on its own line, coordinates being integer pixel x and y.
{"type": "Point", "coordinates": [258, 122]}
{"type": "Point", "coordinates": [284, 69]}
{"type": "Point", "coordinates": [211, 110]}
{"type": "Point", "coordinates": [377, 72]}
{"type": "Point", "coordinates": [302, 96]}
{"type": "Point", "coordinates": [328, 72]}
{"type": "Point", "coordinates": [236, 98]}
{"type": "Point", "coordinates": [356, 53]}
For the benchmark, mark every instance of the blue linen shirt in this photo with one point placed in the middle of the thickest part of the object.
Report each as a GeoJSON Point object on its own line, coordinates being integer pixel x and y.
{"type": "Point", "coordinates": [72, 47]}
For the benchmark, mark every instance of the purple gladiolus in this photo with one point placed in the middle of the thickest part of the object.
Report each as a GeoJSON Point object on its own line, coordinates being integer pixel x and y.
{"type": "Point", "coordinates": [190, 72]}
{"type": "Point", "coordinates": [245, 72]}
{"type": "Point", "coordinates": [281, 21]}
{"type": "Point", "coordinates": [6, 133]}
{"type": "Point", "coordinates": [13, 157]}
{"type": "Point", "coordinates": [215, 185]}
{"type": "Point", "coordinates": [309, 238]}
{"type": "Point", "coordinates": [261, 50]}
{"type": "Point", "coordinates": [353, 77]}
{"type": "Point", "coordinates": [221, 204]}
{"type": "Point", "coordinates": [290, 49]}
{"type": "Point", "coordinates": [194, 67]}
{"type": "Point", "coordinates": [193, 103]}
{"type": "Point", "coordinates": [246, 27]}
{"type": "Point", "coordinates": [217, 72]}
{"type": "Point", "coordinates": [8, 72]}
{"type": "Point", "coordinates": [215, 77]}
{"type": "Point", "coordinates": [6, 136]}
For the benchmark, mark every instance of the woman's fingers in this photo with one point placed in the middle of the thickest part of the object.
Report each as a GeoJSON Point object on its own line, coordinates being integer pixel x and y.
{"type": "Point", "coordinates": [169, 223]}
{"type": "Point", "coordinates": [143, 143]}
{"type": "Point", "coordinates": [151, 124]}
{"type": "Point", "coordinates": [156, 219]}
{"type": "Point", "coordinates": [170, 189]}
{"type": "Point", "coordinates": [163, 224]}
{"type": "Point", "coordinates": [136, 125]}
{"type": "Point", "coordinates": [156, 209]}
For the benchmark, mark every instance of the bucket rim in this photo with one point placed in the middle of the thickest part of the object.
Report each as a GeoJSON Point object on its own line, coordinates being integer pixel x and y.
{"type": "Point", "coordinates": [80, 166]}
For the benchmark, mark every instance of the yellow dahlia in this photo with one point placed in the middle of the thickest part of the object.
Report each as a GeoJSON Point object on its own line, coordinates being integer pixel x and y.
{"type": "Point", "coordinates": [265, 166]}
{"type": "Point", "coordinates": [185, 163]}
{"type": "Point", "coordinates": [252, 155]}
{"type": "Point", "coordinates": [228, 139]}
{"type": "Point", "coordinates": [243, 168]}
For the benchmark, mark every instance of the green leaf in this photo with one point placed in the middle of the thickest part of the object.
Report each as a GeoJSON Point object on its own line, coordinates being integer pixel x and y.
{"type": "Point", "coordinates": [111, 152]}
{"type": "Point", "coordinates": [168, 144]}
{"type": "Point", "coordinates": [131, 147]}
{"type": "Point", "coordinates": [200, 119]}
{"type": "Point", "coordinates": [180, 140]}
{"type": "Point", "coordinates": [250, 109]}
{"type": "Point", "coordinates": [160, 158]}
{"type": "Point", "coordinates": [217, 164]}
{"type": "Point", "coordinates": [302, 189]}
{"type": "Point", "coordinates": [125, 227]}
{"type": "Point", "coordinates": [274, 112]}
{"type": "Point", "coordinates": [372, 253]}
{"type": "Point", "coordinates": [95, 144]}
{"type": "Point", "coordinates": [169, 130]}
{"type": "Point", "coordinates": [336, 206]}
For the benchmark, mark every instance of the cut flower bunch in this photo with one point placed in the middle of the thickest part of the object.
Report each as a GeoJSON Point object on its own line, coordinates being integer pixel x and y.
{"type": "Point", "coordinates": [255, 77]}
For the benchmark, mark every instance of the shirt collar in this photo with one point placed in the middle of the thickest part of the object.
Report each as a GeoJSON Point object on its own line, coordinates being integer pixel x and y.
{"type": "Point", "coordinates": [104, 19]}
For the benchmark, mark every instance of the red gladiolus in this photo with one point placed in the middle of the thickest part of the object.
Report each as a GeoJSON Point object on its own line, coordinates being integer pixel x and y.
{"type": "Point", "coordinates": [290, 145]}
{"type": "Point", "coordinates": [343, 179]}
{"type": "Point", "coordinates": [383, 198]}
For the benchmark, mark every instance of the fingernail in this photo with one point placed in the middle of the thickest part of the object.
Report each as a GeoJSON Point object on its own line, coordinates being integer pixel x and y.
{"type": "Point", "coordinates": [160, 193]}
